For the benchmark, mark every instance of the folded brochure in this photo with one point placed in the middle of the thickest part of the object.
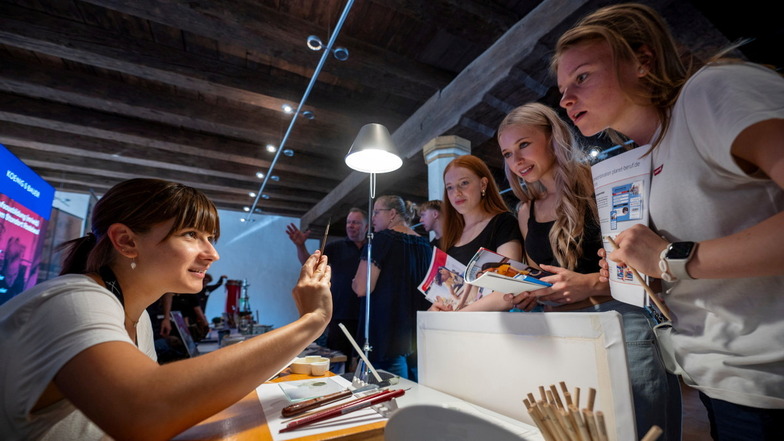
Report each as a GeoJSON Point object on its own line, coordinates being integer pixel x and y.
{"type": "Point", "coordinates": [457, 285]}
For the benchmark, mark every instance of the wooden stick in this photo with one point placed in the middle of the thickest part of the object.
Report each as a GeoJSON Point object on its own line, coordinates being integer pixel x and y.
{"type": "Point", "coordinates": [591, 423]}
{"type": "Point", "coordinates": [536, 415]}
{"type": "Point", "coordinates": [558, 429]}
{"type": "Point", "coordinates": [531, 399]}
{"type": "Point", "coordinates": [556, 396]}
{"type": "Point", "coordinates": [653, 434]}
{"type": "Point", "coordinates": [541, 392]}
{"type": "Point", "coordinates": [591, 398]}
{"type": "Point", "coordinates": [581, 427]}
{"type": "Point", "coordinates": [651, 295]}
{"type": "Point", "coordinates": [576, 397]}
{"type": "Point", "coordinates": [568, 425]}
{"type": "Point", "coordinates": [601, 426]}
{"type": "Point", "coordinates": [568, 399]}
{"type": "Point", "coordinates": [563, 387]}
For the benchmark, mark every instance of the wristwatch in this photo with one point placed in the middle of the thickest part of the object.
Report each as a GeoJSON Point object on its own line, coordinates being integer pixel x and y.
{"type": "Point", "coordinates": [673, 260]}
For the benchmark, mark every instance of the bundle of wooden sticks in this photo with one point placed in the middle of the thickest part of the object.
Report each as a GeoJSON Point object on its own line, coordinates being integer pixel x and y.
{"type": "Point", "coordinates": [561, 419]}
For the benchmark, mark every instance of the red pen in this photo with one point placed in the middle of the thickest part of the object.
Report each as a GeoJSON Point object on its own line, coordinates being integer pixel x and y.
{"type": "Point", "coordinates": [368, 401]}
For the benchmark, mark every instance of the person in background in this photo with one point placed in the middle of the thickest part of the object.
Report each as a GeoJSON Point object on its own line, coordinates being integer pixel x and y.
{"type": "Point", "coordinates": [716, 140]}
{"type": "Point", "coordinates": [13, 274]}
{"type": "Point", "coordinates": [550, 175]}
{"type": "Point", "coordinates": [344, 258]}
{"type": "Point", "coordinates": [475, 216]}
{"type": "Point", "coordinates": [84, 366]}
{"type": "Point", "coordinates": [430, 217]}
{"type": "Point", "coordinates": [399, 261]}
{"type": "Point", "coordinates": [188, 306]}
{"type": "Point", "coordinates": [207, 289]}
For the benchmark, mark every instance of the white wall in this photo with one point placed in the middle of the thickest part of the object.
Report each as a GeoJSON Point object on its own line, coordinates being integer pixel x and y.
{"type": "Point", "coordinates": [261, 252]}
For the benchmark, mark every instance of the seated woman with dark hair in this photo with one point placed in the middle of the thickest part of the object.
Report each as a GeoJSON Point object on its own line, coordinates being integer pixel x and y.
{"type": "Point", "coordinates": [84, 364]}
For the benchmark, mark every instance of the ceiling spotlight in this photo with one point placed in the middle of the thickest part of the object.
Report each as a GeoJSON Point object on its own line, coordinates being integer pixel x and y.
{"type": "Point", "coordinates": [314, 43]}
{"type": "Point", "coordinates": [245, 208]}
{"type": "Point", "coordinates": [308, 114]}
{"type": "Point", "coordinates": [252, 194]}
{"type": "Point", "coordinates": [271, 148]}
{"type": "Point", "coordinates": [288, 152]}
{"type": "Point", "coordinates": [260, 175]}
{"type": "Point", "coordinates": [242, 219]}
{"type": "Point", "coordinates": [258, 210]}
{"type": "Point", "coordinates": [287, 108]}
{"type": "Point", "coordinates": [594, 153]}
{"type": "Point", "coordinates": [265, 196]}
{"type": "Point", "coordinates": [275, 178]}
{"type": "Point", "coordinates": [340, 53]}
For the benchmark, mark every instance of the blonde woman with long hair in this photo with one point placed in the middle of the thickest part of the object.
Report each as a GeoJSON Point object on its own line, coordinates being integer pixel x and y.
{"type": "Point", "coordinates": [557, 215]}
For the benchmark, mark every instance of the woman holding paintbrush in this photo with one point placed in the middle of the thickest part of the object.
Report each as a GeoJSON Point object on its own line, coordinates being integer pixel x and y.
{"type": "Point", "coordinates": [716, 141]}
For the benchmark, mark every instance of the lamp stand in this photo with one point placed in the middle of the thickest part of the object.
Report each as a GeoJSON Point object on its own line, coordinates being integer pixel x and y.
{"type": "Point", "coordinates": [361, 375]}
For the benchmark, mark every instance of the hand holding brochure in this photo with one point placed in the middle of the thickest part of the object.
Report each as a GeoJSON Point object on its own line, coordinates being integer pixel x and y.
{"type": "Point", "coordinates": [457, 285]}
{"type": "Point", "coordinates": [495, 272]}
{"type": "Point", "coordinates": [621, 185]}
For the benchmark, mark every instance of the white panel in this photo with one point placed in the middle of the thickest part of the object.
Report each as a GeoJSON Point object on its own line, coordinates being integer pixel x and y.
{"type": "Point", "coordinates": [494, 359]}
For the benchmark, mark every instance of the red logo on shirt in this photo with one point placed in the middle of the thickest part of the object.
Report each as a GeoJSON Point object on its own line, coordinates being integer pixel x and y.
{"type": "Point", "coordinates": [658, 170]}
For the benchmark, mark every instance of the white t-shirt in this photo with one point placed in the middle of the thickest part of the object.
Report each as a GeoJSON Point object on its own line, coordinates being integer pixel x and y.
{"type": "Point", "coordinates": [728, 333]}
{"type": "Point", "coordinates": [42, 329]}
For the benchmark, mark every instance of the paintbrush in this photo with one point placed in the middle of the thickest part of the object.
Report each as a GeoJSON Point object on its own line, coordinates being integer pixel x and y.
{"type": "Point", "coordinates": [324, 239]}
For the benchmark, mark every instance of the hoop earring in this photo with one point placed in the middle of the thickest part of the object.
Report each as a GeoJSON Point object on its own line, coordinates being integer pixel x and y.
{"type": "Point", "coordinates": [133, 263]}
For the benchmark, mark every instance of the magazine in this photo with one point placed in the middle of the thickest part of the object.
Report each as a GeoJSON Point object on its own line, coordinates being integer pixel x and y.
{"type": "Point", "coordinates": [444, 282]}
{"type": "Point", "coordinates": [621, 185]}
{"type": "Point", "coordinates": [457, 285]}
{"type": "Point", "coordinates": [490, 270]}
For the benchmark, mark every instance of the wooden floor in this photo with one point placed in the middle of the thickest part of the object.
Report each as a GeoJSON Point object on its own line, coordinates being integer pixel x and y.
{"type": "Point", "coordinates": [695, 417]}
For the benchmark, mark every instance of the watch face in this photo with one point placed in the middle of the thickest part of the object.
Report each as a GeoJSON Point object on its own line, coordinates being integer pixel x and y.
{"type": "Point", "coordinates": [680, 250]}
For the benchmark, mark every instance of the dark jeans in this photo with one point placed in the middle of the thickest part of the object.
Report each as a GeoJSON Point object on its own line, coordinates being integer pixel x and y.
{"type": "Point", "coordinates": [735, 422]}
{"type": "Point", "coordinates": [404, 366]}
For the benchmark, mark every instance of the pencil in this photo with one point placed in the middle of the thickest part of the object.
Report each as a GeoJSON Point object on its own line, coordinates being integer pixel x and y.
{"type": "Point", "coordinates": [651, 295]}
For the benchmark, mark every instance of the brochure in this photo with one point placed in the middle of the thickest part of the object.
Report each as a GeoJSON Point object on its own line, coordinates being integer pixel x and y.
{"type": "Point", "coordinates": [457, 285]}
{"type": "Point", "coordinates": [444, 282]}
{"type": "Point", "coordinates": [622, 185]}
{"type": "Point", "coordinates": [490, 270]}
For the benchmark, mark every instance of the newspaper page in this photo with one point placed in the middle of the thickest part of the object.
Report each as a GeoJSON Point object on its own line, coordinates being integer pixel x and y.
{"type": "Point", "coordinates": [622, 186]}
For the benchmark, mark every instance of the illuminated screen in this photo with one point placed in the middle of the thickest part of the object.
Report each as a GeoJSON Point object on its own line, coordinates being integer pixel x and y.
{"type": "Point", "coordinates": [25, 207]}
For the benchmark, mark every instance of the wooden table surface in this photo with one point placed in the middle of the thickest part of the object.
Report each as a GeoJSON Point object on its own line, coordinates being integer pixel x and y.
{"type": "Point", "coordinates": [244, 420]}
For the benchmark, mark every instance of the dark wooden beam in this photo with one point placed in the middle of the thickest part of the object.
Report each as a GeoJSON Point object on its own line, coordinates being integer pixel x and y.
{"type": "Point", "coordinates": [466, 90]}
{"type": "Point", "coordinates": [28, 29]}
{"type": "Point", "coordinates": [80, 121]}
{"type": "Point", "coordinates": [283, 37]}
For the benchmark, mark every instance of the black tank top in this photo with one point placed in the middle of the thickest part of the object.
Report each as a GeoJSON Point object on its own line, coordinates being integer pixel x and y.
{"type": "Point", "coordinates": [537, 243]}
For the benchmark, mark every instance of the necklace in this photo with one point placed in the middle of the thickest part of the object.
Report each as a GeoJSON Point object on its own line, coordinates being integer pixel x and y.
{"type": "Point", "coordinates": [113, 285]}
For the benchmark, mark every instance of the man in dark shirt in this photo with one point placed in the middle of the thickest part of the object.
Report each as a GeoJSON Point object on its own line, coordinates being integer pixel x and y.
{"type": "Point", "coordinates": [207, 289]}
{"type": "Point", "coordinates": [343, 258]}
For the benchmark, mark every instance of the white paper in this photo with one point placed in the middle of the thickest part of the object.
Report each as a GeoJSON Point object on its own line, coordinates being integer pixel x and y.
{"type": "Point", "coordinates": [273, 400]}
{"type": "Point", "coordinates": [622, 186]}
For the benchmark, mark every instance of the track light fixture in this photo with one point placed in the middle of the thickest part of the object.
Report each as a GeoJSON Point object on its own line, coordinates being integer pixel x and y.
{"type": "Point", "coordinates": [315, 44]}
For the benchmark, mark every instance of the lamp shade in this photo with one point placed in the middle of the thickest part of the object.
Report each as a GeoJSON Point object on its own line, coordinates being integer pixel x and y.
{"type": "Point", "coordinates": [373, 151]}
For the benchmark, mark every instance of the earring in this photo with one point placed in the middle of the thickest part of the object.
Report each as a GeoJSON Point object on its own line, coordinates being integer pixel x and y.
{"type": "Point", "coordinates": [642, 71]}
{"type": "Point", "coordinates": [133, 263]}
{"type": "Point", "coordinates": [483, 193]}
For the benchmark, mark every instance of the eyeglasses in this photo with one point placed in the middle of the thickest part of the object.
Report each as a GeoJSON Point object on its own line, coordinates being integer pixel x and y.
{"type": "Point", "coordinates": [375, 212]}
